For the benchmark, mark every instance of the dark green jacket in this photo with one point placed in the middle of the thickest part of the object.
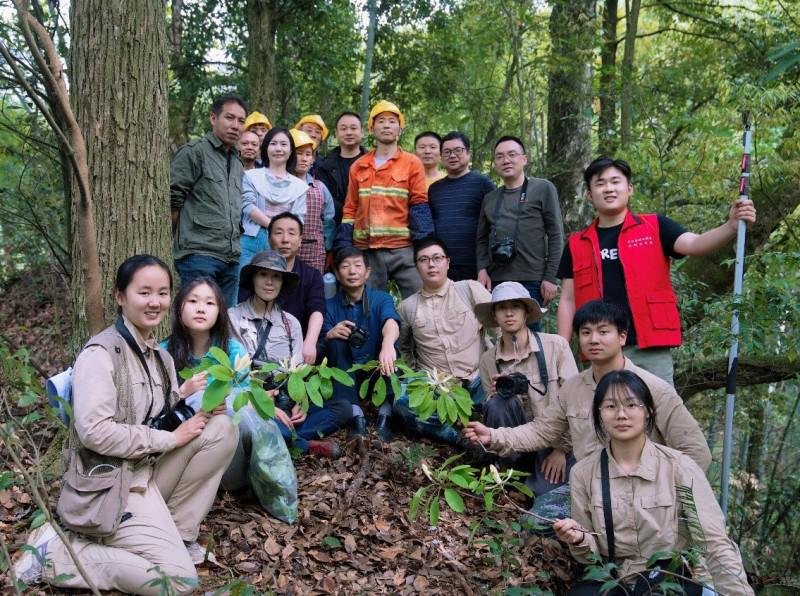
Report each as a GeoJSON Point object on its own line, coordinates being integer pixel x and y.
{"type": "Point", "coordinates": [206, 187]}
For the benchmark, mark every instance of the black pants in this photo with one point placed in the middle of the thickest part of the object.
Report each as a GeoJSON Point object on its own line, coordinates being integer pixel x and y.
{"type": "Point", "coordinates": [645, 584]}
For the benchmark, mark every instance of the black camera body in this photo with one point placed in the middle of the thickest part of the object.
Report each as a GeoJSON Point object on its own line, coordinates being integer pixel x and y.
{"type": "Point", "coordinates": [282, 400]}
{"type": "Point", "coordinates": [510, 385]}
{"type": "Point", "coordinates": [503, 251]}
{"type": "Point", "coordinates": [358, 336]}
{"type": "Point", "coordinates": [174, 418]}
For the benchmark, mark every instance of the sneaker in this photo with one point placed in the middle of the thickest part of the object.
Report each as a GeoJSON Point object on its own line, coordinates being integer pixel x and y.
{"type": "Point", "coordinates": [30, 566]}
{"type": "Point", "coordinates": [197, 552]}
{"type": "Point", "coordinates": [329, 449]}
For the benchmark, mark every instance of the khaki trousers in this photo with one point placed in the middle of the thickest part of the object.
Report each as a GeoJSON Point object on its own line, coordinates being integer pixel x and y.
{"type": "Point", "coordinates": [170, 510]}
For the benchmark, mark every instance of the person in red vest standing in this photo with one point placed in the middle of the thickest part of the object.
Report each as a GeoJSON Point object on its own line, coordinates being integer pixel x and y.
{"type": "Point", "coordinates": [623, 257]}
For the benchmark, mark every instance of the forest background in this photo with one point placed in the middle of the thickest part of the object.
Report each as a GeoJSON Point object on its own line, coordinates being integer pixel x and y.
{"type": "Point", "coordinates": [661, 84]}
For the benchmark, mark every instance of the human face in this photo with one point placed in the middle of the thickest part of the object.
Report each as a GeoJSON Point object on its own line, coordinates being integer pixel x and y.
{"type": "Point", "coordinates": [349, 132]}
{"type": "Point", "coordinates": [609, 192]}
{"type": "Point", "coordinates": [260, 130]}
{"type": "Point", "coordinates": [386, 128]}
{"type": "Point", "coordinates": [427, 149]}
{"type": "Point", "coordinates": [285, 237]}
{"type": "Point", "coordinates": [305, 157]}
{"type": "Point", "coordinates": [267, 284]}
{"type": "Point", "coordinates": [200, 309]}
{"type": "Point", "coordinates": [249, 144]}
{"type": "Point", "coordinates": [456, 157]}
{"type": "Point", "coordinates": [511, 315]}
{"type": "Point", "coordinates": [624, 416]}
{"type": "Point", "coordinates": [312, 130]}
{"type": "Point", "coordinates": [146, 299]}
{"type": "Point", "coordinates": [601, 342]}
{"type": "Point", "coordinates": [352, 273]}
{"type": "Point", "coordinates": [228, 124]}
{"type": "Point", "coordinates": [279, 149]}
{"type": "Point", "coordinates": [432, 266]}
{"type": "Point", "coordinates": [509, 161]}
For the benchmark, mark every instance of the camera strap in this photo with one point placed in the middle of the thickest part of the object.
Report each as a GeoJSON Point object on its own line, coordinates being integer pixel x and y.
{"type": "Point", "coordinates": [608, 518]}
{"type": "Point", "coordinates": [542, 364]}
{"type": "Point", "coordinates": [263, 336]}
{"type": "Point", "coordinates": [119, 325]}
{"type": "Point", "coordinates": [498, 205]}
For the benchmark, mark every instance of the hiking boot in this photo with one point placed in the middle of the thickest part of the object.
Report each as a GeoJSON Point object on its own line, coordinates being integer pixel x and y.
{"type": "Point", "coordinates": [358, 427]}
{"type": "Point", "coordinates": [29, 568]}
{"type": "Point", "coordinates": [384, 429]}
{"type": "Point", "coordinates": [329, 449]}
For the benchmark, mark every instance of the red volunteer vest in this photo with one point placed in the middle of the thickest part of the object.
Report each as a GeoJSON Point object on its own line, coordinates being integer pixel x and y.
{"type": "Point", "coordinates": [652, 300]}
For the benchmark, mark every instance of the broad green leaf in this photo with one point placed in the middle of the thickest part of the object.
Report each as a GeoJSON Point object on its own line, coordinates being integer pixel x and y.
{"type": "Point", "coordinates": [241, 400]}
{"type": "Point", "coordinates": [441, 409]}
{"type": "Point", "coordinates": [433, 511]}
{"type": "Point", "coordinates": [397, 390]}
{"type": "Point", "coordinates": [30, 418]}
{"type": "Point", "coordinates": [221, 356]}
{"type": "Point", "coordinates": [342, 377]}
{"type": "Point", "coordinates": [26, 399]}
{"type": "Point", "coordinates": [324, 371]}
{"type": "Point", "coordinates": [326, 388]}
{"type": "Point", "coordinates": [523, 488]}
{"type": "Point", "coordinates": [331, 542]}
{"type": "Point", "coordinates": [220, 372]}
{"type": "Point", "coordinates": [304, 370]}
{"type": "Point", "coordinates": [6, 480]}
{"type": "Point", "coordinates": [262, 402]}
{"type": "Point", "coordinates": [362, 391]}
{"type": "Point", "coordinates": [38, 519]}
{"type": "Point", "coordinates": [379, 393]}
{"type": "Point", "coordinates": [296, 387]}
{"type": "Point", "coordinates": [613, 583]}
{"type": "Point", "coordinates": [458, 479]}
{"type": "Point", "coordinates": [413, 507]}
{"type": "Point", "coordinates": [416, 396]}
{"type": "Point", "coordinates": [215, 393]}
{"type": "Point", "coordinates": [454, 500]}
{"type": "Point", "coordinates": [187, 373]}
{"type": "Point", "coordinates": [488, 501]}
{"type": "Point", "coordinates": [452, 413]}
{"type": "Point", "coordinates": [314, 393]}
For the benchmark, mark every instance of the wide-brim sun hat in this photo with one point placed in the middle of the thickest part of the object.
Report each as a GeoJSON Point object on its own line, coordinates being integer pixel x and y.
{"type": "Point", "coordinates": [503, 292]}
{"type": "Point", "coordinates": [271, 260]}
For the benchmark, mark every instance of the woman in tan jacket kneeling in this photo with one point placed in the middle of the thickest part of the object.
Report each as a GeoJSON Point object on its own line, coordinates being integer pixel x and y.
{"type": "Point", "coordinates": [636, 498]}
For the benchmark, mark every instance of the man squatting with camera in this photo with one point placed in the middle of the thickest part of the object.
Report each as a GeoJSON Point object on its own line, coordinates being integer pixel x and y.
{"type": "Point", "coordinates": [520, 234]}
{"type": "Point", "coordinates": [361, 324]}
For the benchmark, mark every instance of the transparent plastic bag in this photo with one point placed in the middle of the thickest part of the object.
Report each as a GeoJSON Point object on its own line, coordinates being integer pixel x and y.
{"type": "Point", "coordinates": [262, 461]}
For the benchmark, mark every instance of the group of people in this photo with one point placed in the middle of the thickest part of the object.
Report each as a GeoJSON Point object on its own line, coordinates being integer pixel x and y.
{"type": "Point", "coordinates": [259, 216]}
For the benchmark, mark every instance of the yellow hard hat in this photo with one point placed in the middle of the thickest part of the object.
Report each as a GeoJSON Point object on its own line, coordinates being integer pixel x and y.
{"type": "Point", "coordinates": [385, 106]}
{"type": "Point", "coordinates": [257, 118]}
{"type": "Point", "coordinates": [314, 119]}
{"type": "Point", "coordinates": [301, 139]}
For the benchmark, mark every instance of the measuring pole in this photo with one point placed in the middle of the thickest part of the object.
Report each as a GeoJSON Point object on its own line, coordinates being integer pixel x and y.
{"type": "Point", "coordinates": [733, 353]}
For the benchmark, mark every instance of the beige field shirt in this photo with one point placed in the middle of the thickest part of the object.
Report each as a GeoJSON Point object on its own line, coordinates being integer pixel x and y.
{"type": "Point", "coordinates": [650, 515]}
{"type": "Point", "coordinates": [95, 404]}
{"type": "Point", "coordinates": [572, 410]}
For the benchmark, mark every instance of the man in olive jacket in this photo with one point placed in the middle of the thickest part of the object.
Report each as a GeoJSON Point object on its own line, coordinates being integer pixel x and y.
{"type": "Point", "coordinates": [206, 200]}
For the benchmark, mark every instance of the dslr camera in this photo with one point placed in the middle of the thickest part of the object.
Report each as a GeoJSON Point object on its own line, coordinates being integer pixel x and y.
{"type": "Point", "coordinates": [174, 418]}
{"type": "Point", "coordinates": [503, 251]}
{"type": "Point", "coordinates": [282, 400]}
{"type": "Point", "coordinates": [358, 336]}
{"type": "Point", "coordinates": [510, 385]}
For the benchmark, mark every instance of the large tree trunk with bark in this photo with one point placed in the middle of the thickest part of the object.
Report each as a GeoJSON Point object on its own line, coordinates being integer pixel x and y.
{"type": "Point", "coordinates": [119, 95]}
{"type": "Point", "coordinates": [262, 28]}
{"type": "Point", "coordinates": [572, 30]}
{"type": "Point", "coordinates": [607, 125]}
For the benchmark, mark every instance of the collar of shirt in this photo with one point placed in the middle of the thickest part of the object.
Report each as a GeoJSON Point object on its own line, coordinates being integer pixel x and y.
{"type": "Point", "coordinates": [251, 314]}
{"type": "Point", "coordinates": [145, 345]}
{"type": "Point", "coordinates": [588, 374]}
{"type": "Point", "coordinates": [521, 354]}
{"type": "Point", "coordinates": [648, 464]}
{"type": "Point", "coordinates": [441, 292]}
{"type": "Point", "coordinates": [347, 301]}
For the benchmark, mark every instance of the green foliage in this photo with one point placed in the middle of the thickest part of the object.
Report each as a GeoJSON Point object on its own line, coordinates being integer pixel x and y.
{"type": "Point", "coordinates": [433, 392]}
{"type": "Point", "coordinates": [453, 481]}
{"type": "Point", "coordinates": [170, 585]}
{"type": "Point", "coordinates": [415, 453]}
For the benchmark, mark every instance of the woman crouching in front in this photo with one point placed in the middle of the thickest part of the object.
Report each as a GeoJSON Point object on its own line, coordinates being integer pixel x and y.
{"type": "Point", "coordinates": [636, 498]}
{"type": "Point", "coordinates": [139, 480]}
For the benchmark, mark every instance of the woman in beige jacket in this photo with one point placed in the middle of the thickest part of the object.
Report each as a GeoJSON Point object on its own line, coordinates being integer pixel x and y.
{"type": "Point", "coordinates": [125, 389]}
{"type": "Point", "coordinates": [658, 500]}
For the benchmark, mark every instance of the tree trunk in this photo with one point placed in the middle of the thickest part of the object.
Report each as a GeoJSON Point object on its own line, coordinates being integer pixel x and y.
{"type": "Point", "coordinates": [607, 128]}
{"type": "Point", "coordinates": [626, 105]}
{"type": "Point", "coordinates": [119, 95]}
{"type": "Point", "coordinates": [570, 105]}
{"type": "Point", "coordinates": [373, 24]}
{"type": "Point", "coordinates": [262, 28]}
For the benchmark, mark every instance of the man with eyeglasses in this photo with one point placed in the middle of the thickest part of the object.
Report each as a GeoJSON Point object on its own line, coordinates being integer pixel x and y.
{"type": "Point", "coordinates": [602, 328]}
{"type": "Point", "coordinates": [440, 333]}
{"type": "Point", "coordinates": [455, 203]}
{"type": "Point", "coordinates": [520, 232]}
